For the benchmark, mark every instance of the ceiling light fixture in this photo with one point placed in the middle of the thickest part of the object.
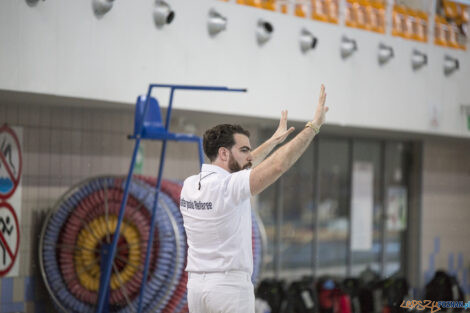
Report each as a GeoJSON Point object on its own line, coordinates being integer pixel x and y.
{"type": "Point", "coordinates": [418, 60]}
{"type": "Point", "coordinates": [101, 7]}
{"type": "Point", "coordinates": [385, 53]}
{"type": "Point", "coordinates": [307, 41]}
{"type": "Point", "coordinates": [450, 65]}
{"type": "Point", "coordinates": [264, 31]}
{"type": "Point", "coordinates": [216, 23]}
{"type": "Point", "coordinates": [348, 47]}
{"type": "Point", "coordinates": [162, 13]}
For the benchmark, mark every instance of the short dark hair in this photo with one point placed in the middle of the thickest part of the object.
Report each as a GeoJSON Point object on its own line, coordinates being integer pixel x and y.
{"type": "Point", "coordinates": [221, 136]}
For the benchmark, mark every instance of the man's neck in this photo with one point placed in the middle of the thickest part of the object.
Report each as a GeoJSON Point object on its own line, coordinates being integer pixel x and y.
{"type": "Point", "coordinates": [221, 164]}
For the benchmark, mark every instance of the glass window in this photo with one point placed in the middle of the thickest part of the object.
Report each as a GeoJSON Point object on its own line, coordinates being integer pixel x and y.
{"type": "Point", "coordinates": [312, 225]}
{"type": "Point", "coordinates": [396, 200]}
{"type": "Point", "coordinates": [333, 208]}
{"type": "Point", "coordinates": [297, 213]}
{"type": "Point", "coordinates": [268, 214]}
{"type": "Point", "coordinates": [367, 166]}
{"type": "Point", "coordinates": [293, 248]}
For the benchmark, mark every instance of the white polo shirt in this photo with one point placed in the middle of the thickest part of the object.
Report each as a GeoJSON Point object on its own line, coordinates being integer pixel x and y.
{"type": "Point", "coordinates": [217, 220]}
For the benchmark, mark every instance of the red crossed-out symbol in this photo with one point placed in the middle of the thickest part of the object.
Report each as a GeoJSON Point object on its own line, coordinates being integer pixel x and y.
{"type": "Point", "coordinates": [3, 161]}
{"type": "Point", "coordinates": [4, 245]}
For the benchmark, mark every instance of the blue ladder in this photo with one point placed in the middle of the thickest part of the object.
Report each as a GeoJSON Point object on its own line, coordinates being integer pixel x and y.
{"type": "Point", "coordinates": [148, 126]}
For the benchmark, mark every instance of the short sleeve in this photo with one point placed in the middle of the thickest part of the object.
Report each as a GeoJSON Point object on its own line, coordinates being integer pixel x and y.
{"type": "Point", "coordinates": [238, 185]}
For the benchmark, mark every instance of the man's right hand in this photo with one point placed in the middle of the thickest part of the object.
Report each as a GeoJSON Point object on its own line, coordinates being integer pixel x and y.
{"type": "Point", "coordinates": [321, 110]}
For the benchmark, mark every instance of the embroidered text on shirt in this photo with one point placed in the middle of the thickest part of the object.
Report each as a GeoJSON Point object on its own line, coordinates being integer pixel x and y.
{"type": "Point", "coordinates": [195, 205]}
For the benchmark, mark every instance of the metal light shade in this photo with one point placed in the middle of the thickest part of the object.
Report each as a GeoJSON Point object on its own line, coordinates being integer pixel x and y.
{"type": "Point", "coordinates": [216, 23]}
{"type": "Point", "coordinates": [450, 65]}
{"type": "Point", "coordinates": [348, 47]}
{"type": "Point", "coordinates": [264, 31]}
{"type": "Point", "coordinates": [163, 14]}
{"type": "Point", "coordinates": [101, 7]}
{"type": "Point", "coordinates": [418, 59]}
{"type": "Point", "coordinates": [32, 2]}
{"type": "Point", "coordinates": [385, 53]}
{"type": "Point", "coordinates": [307, 41]}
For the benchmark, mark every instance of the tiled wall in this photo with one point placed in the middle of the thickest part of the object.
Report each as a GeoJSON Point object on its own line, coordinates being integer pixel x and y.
{"type": "Point", "coordinates": [63, 145]}
{"type": "Point", "coordinates": [446, 208]}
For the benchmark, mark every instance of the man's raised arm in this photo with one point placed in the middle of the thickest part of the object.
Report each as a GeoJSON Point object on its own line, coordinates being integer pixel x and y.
{"type": "Point", "coordinates": [269, 170]}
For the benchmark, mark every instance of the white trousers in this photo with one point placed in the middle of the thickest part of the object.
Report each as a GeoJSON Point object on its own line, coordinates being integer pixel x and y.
{"type": "Point", "coordinates": [224, 292]}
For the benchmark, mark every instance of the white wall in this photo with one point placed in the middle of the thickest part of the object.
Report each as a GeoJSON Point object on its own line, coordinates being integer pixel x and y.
{"type": "Point", "coordinates": [446, 210]}
{"type": "Point", "coordinates": [59, 47]}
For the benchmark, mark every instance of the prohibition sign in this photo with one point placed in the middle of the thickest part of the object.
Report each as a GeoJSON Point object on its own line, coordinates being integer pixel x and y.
{"type": "Point", "coordinates": [9, 238]}
{"type": "Point", "coordinates": [10, 162]}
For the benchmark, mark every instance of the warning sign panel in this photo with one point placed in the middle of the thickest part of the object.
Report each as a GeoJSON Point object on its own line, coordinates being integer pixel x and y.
{"type": "Point", "coordinates": [9, 238]}
{"type": "Point", "coordinates": [10, 162]}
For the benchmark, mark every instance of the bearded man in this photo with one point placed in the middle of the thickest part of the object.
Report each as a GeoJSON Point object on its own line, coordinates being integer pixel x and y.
{"type": "Point", "coordinates": [216, 210]}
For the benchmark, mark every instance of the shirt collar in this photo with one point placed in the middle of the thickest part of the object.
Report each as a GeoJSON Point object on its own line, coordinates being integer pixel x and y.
{"type": "Point", "coordinates": [214, 168]}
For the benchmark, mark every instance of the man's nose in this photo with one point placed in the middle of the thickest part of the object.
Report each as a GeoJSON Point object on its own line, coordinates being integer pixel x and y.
{"type": "Point", "coordinates": [250, 157]}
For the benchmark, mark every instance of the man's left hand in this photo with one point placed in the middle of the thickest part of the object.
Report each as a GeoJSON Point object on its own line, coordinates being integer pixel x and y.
{"type": "Point", "coordinates": [282, 132]}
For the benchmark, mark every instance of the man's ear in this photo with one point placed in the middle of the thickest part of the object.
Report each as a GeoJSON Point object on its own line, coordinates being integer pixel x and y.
{"type": "Point", "coordinates": [223, 154]}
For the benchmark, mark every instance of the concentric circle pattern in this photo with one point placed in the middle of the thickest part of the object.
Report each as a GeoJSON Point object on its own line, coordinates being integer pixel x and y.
{"type": "Point", "coordinates": [83, 223]}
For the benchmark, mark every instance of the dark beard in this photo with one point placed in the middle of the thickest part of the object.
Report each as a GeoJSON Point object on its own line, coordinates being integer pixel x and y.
{"type": "Point", "coordinates": [233, 165]}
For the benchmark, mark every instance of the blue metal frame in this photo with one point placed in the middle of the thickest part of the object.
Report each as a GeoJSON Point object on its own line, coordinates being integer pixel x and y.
{"type": "Point", "coordinates": [104, 252]}
{"type": "Point", "coordinates": [165, 135]}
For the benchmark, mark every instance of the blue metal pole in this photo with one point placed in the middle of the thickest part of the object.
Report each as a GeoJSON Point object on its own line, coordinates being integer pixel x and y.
{"type": "Point", "coordinates": [155, 205]}
{"type": "Point", "coordinates": [106, 273]}
{"type": "Point", "coordinates": [108, 266]}
{"type": "Point", "coordinates": [201, 152]}
{"type": "Point", "coordinates": [168, 112]}
{"type": "Point", "coordinates": [188, 87]}
{"type": "Point", "coordinates": [104, 256]}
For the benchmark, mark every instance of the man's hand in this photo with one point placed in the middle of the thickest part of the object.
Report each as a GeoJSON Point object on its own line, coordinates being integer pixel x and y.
{"type": "Point", "coordinates": [278, 137]}
{"type": "Point", "coordinates": [321, 110]}
{"type": "Point", "coordinates": [282, 132]}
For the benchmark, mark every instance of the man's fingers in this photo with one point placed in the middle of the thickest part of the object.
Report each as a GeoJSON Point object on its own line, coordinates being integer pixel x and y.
{"type": "Point", "coordinates": [326, 109]}
{"type": "Point", "coordinates": [283, 121]}
{"type": "Point", "coordinates": [286, 133]}
{"type": "Point", "coordinates": [322, 94]}
{"type": "Point", "coordinates": [323, 100]}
